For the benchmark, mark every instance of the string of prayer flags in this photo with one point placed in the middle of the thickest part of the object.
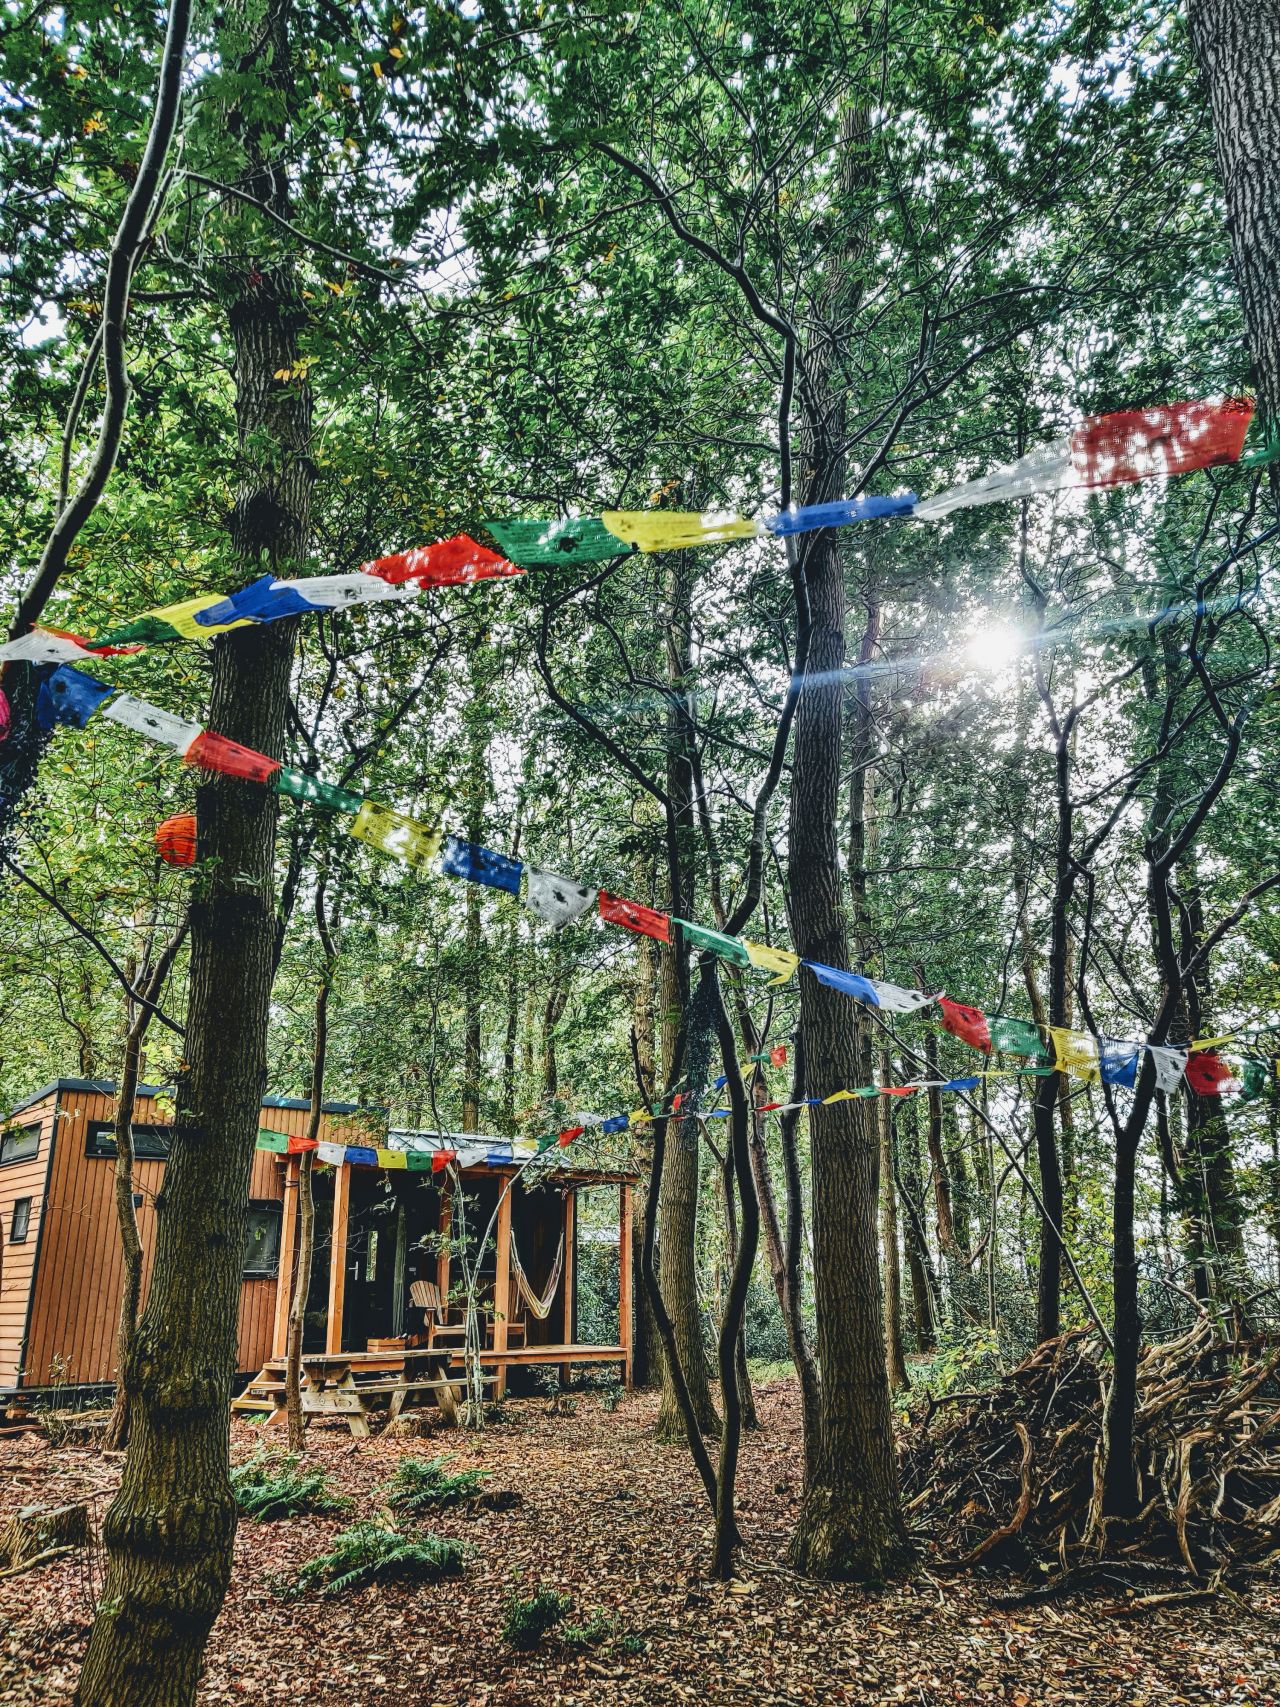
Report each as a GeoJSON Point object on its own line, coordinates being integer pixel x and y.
{"type": "Point", "coordinates": [572, 539]}
{"type": "Point", "coordinates": [1118, 1062]}
{"type": "Point", "coordinates": [634, 916]}
{"type": "Point", "coordinates": [301, 785]}
{"type": "Point", "coordinates": [478, 864]}
{"type": "Point", "coordinates": [1171, 1064]}
{"type": "Point", "coordinates": [804, 518]}
{"type": "Point", "coordinates": [184, 617]}
{"type": "Point", "coordinates": [69, 696]}
{"type": "Point", "coordinates": [216, 753]}
{"type": "Point", "coordinates": [968, 1024]}
{"type": "Point", "coordinates": [1075, 1052]}
{"type": "Point", "coordinates": [1208, 1074]}
{"type": "Point", "coordinates": [395, 834]}
{"type": "Point", "coordinates": [263, 600]}
{"type": "Point", "coordinates": [448, 563]}
{"type": "Point", "coordinates": [765, 958]}
{"type": "Point", "coordinates": [848, 983]}
{"type": "Point", "coordinates": [895, 1000]}
{"type": "Point", "coordinates": [556, 900]}
{"type": "Point", "coordinates": [1112, 450]}
{"type": "Point", "coordinates": [677, 530]}
{"type": "Point", "coordinates": [1015, 1037]}
{"type": "Point", "coordinates": [730, 948]}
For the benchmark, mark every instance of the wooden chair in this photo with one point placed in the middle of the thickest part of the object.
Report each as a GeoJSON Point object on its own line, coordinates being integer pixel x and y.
{"type": "Point", "coordinates": [426, 1296]}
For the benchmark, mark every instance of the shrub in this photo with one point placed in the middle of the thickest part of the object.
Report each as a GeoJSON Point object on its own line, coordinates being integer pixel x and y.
{"type": "Point", "coordinates": [270, 1485]}
{"type": "Point", "coordinates": [423, 1484]}
{"type": "Point", "coordinates": [368, 1553]}
{"type": "Point", "coordinates": [527, 1621]}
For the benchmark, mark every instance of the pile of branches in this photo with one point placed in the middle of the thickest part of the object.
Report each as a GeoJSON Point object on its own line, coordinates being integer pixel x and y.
{"type": "Point", "coordinates": [1011, 1478]}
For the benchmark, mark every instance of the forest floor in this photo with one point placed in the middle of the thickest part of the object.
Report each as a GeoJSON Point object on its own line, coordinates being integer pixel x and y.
{"type": "Point", "coordinates": [615, 1521]}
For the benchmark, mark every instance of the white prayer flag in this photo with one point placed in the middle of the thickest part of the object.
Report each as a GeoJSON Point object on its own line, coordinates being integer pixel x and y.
{"type": "Point", "coordinates": [558, 900]}
{"type": "Point", "coordinates": [335, 1154]}
{"type": "Point", "coordinates": [41, 647]}
{"type": "Point", "coordinates": [1046, 469]}
{"type": "Point", "coordinates": [895, 1000]}
{"type": "Point", "coordinates": [1171, 1064]}
{"type": "Point", "coordinates": [149, 720]}
{"type": "Point", "coordinates": [335, 592]}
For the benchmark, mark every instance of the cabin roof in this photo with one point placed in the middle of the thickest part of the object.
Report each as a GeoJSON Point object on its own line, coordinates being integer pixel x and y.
{"type": "Point", "coordinates": [107, 1087]}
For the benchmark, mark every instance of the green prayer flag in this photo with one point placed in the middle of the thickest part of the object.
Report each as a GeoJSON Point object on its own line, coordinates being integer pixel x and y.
{"type": "Point", "coordinates": [148, 629]}
{"type": "Point", "coordinates": [419, 1161]}
{"type": "Point", "coordinates": [546, 1143]}
{"type": "Point", "coordinates": [277, 1141]}
{"type": "Point", "coordinates": [1015, 1037]}
{"type": "Point", "coordinates": [303, 786]}
{"type": "Point", "coordinates": [1254, 1080]}
{"type": "Point", "coordinates": [572, 539]}
{"type": "Point", "coordinates": [730, 948]}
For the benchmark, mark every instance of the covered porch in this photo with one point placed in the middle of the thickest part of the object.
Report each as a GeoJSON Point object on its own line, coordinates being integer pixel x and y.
{"type": "Point", "coordinates": [387, 1277]}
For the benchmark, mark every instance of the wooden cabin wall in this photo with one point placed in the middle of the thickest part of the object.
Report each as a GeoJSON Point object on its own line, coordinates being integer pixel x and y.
{"type": "Point", "coordinates": [17, 1262]}
{"type": "Point", "coordinates": [78, 1286]}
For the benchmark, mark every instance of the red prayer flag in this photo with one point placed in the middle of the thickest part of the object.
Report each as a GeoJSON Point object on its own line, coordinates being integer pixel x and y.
{"type": "Point", "coordinates": [1137, 444]}
{"type": "Point", "coordinates": [1207, 1073]}
{"type": "Point", "coordinates": [898, 1090]}
{"type": "Point", "coordinates": [768, 1107]}
{"type": "Point", "coordinates": [778, 1055]}
{"type": "Point", "coordinates": [99, 651]}
{"type": "Point", "coordinates": [216, 753]}
{"type": "Point", "coordinates": [635, 916]}
{"type": "Point", "coordinates": [298, 1145]}
{"type": "Point", "coordinates": [568, 1135]}
{"type": "Point", "coordinates": [440, 1161]}
{"type": "Point", "coordinates": [447, 563]}
{"type": "Point", "coordinates": [968, 1024]}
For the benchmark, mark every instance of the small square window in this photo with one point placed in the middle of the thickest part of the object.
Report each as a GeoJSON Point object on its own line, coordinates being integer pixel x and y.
{"type": "Point", "coordinates": [19, 1144]}
{"type": "Point", "coordinates": [21, 1223]}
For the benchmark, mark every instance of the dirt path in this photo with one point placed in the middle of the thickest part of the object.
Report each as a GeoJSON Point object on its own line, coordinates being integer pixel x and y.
{"type": "Point", "coordinates": [616, 1522]}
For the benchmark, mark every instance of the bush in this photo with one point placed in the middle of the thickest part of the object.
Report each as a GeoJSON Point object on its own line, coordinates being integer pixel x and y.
{"type": "Point", "coordinates": [527, 1621]}
{"type": "Point", "coordinates": [270, 1485]}
{"type": "Point", "coordinates": [368, 1553]}
{"type": "Point", "coordinates": [424, 1484]}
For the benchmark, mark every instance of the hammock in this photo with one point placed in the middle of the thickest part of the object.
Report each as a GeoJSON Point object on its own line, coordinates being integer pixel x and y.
{"type": "Point", "coordinates": [540, 1306]}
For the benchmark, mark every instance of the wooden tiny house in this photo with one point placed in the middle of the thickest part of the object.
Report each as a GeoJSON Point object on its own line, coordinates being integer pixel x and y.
{"type": "Point", "coordinates": [378, 1231]}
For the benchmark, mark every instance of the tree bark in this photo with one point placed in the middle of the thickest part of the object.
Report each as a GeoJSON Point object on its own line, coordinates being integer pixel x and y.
{"type": "Point", "coordinates": [895, 1362]}
{"type": "Point", "coordinates": [170, 1530]}
{"type": "Point", "coordinates": [1238, 45]}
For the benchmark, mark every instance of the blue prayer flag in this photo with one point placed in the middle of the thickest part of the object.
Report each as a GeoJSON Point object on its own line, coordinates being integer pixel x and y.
{"type": "Point", "coordinates": [69, 696]}
{"type": "Point", "coordinates": [849, 983]}
{"type": "Point", "coordinates": [360, 1156]}
{"type": "Point", "coordinates": [721, 1082]}
{"type": "Point", "coordinates": [961, 1084]}
{"type": "Point", "coordinates": [843, 511]}
{"type": "Point", "coordinates": [1118, 1062]}
{"type": "Point", "coordinates": [498, 1155]}
{"type": "Point", "coordinates": [480, 865]}
{"type": "Point", "coordinates": [263, 600]}
{"type": "Point", "coordinates": [615, 1123]}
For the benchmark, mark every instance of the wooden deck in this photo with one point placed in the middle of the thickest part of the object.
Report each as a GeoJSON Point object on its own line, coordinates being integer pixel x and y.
{"type": "Point", "coordinates": [525, 1355]}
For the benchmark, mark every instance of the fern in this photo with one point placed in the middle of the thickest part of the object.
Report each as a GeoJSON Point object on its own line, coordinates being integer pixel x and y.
{"type": "Point", "coordinates": [526, 1622]}
{"type": "Point", "coordinates": [424, 1484]}
{"type": "Point", "coordinates": [368, 1553]}
{"type": "Point", "coordinates": [270, 1485]}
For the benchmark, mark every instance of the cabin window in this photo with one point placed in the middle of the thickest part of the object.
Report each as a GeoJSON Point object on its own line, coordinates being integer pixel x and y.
{"type": "Point", "coordinates": [262, 1239]}
{"type": "Point", "coordinates": [150, 1143]}
{"type": "Point", "coordinates": [19, 1144]}
{"type": "Point", "coordinates": [21, 1222]}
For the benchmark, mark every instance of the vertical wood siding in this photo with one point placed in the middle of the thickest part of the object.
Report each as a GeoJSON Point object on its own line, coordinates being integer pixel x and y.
{"type": "Point", "coordinates": [80, 1276]}
{"type": "Point", "coordinates": [17, 1262]}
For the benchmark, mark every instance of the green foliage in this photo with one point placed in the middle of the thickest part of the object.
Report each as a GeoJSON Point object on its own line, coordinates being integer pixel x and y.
{"type": "Point", "coordinates": [368, 1552]}
{"type": "Point", "coordinates": [271, 1485]}
{"type": "Point", "coordinates": [527, 1621]}
{"type": "Point", "coordinates": [425, 1484]}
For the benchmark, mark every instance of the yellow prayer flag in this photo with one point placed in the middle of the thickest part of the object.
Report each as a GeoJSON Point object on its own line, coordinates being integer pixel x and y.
{"type": "Point", "coordinates": [391, 1159]}
{"type": "Point", "coordinates": [768, 959]}
{"type": "Point", "coordinates": [673, 530]}
{"type": "Point", "coordinates": [638, 1117]}
{"type": "Point", "coordinates": [839, 1096]}
{"type": "Point", "coordinates": [1075, 1052]}
{"type": "Point", "coordinates": [395, 834]}
{"type": "Point", "coordinates": [1207, 1043]}
{"type": "Point", "coordinates": [182, 617]}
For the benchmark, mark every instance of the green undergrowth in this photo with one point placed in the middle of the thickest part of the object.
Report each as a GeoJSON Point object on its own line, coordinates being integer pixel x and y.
{"type": "Point", "coordinates": [370, 1552]}
{"type": "Point", "coordinates": [426, 1484]}
{"type": "Point", "coordinates": [271, 1485]}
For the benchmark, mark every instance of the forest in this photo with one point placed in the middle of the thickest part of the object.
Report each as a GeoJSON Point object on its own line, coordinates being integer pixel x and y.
{"type": "Point", "coordinates": [639, 852]}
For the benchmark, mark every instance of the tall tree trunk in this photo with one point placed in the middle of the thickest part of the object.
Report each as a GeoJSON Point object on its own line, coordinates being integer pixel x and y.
{"type": "Point", "coordinates": [170, 1529]}
{"type": "Point", "coordinates": [477, 789]}
{"type": "Point", "coordinates": [895, 1362]}
{"type": "Point", "coordinates": [300, 1281]}
{"type": "Point", "coordinates": [1238, 45]}
{"type": "Point", "coordinates": [117, 1434]}
{"type": "Point", "coordinates": [646, 1350]}
{"type": "Point", "coordinates": [924, 1282]}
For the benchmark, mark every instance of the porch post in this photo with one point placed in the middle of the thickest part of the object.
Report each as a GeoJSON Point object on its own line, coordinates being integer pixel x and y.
{"type": "Point", "coordinates": [284, 1269]}
{"type": "Point", "coordinates": [568, 1277]}
{"type": "Point", "coordinates": [338, 1258]}
{"type": "Point", "coordinates": [626, 1307]}
{"type": "Point", "coordinates": [445, 1230]}
{"type": "Point", "coordinates": [502, 1286]}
